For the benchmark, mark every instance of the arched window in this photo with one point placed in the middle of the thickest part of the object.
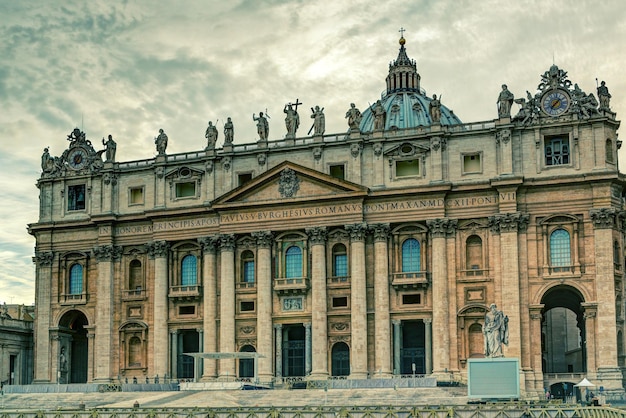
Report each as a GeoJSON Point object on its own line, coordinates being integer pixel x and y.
{"type": "Point", "coordinates": [189, 275]}
{"type": "Point", "coordinates": [560, 248]}
{"type": "Point", "coordinates": [293, 262]}
{"type": "Point", "coordinates": [340, 359]}
{"type": "Point", "coordinates": [411, 255]}
{"type": "Point", "coordinates": [474, 253]}
{"type": "Point", "coordinates": [247, 267]}
{"type": "Point", "coordinates": [134, 352]}
{"type": "Point", "coordinates": [476, 341]}
{"type": "Point", "coordinates": [76, 279]}
{"type": "Point", "coordinates": [340, 261]}
{"type": "Point", "coordinates": [135, 275]}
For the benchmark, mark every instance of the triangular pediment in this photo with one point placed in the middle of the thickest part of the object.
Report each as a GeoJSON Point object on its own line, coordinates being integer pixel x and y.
{"type": "Point", "coordinates": [289, 183]}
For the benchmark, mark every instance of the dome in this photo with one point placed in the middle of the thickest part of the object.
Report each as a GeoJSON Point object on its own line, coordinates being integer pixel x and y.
{"type": "Point", "coordinates": [405, 103]}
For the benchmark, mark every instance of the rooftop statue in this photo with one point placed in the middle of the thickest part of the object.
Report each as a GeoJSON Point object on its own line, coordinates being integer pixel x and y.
{"type": "Point", "coordinates": [161, 142]}
{"type": "Point", "coordinates": [319, 121]}
{"type": "Point", "coordinates": [604, 96]}
{"type": "Point", "coordinates": [262, 127]}
{"type": "Point", "coordinates": [379, 115]}
{"type": "Point", "coordinates": [110, 148]}
{"type": "Point", "coordinates": [229, 132]}
{"type": "Point", "coordinates": [354, 117]}
{"type": "Point", "coordinates": [435, 109]}
{"type": "Point", "coordinates": [496, 331]}
{"type": "Point", "coordinates": [292, 119]}
{"type": "Point", "coordinates": [505, 100]}
{"type": "Point", "coordinates": [211, 136]}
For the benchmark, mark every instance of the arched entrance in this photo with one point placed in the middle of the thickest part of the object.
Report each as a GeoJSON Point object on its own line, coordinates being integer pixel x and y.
{"type": "Point", "coordinates": [246, 365]}
{"type": "Point", "coordinates": [73, 348]}
{"type": "Point", "coordinates": [563, 332]}
{"type": "Point", "coordinates": [340, 359]}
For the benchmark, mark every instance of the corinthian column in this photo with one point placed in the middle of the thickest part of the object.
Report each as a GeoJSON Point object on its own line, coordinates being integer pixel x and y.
{"type": "Point", "coordinates": [382, 335]}
{"type": "Point", "coordinates": [317, 240]}
{"type": "Point", "coordinates": [440, 229]}
{"type": "Point", "coordinates": [227, 304]}
{"type": "Point", "coordinates": [43, 262]}
{"type": "Point", "coordinates": [358, 308]}
{"type": "Point", "coordinates": [508, 225]}
{"type": "Point", "coordinates": [105, 255]}
{"type": "Point", "coordinates": [209, 284]}
{"type": "Point", "coordinates": [264, 304]}
{"type": "Point", "coordinates": [159, 250]}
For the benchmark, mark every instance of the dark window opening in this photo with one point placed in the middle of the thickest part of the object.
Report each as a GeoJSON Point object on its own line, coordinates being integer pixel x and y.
{"type": "Point", "coordinates": [338, 171]}
{"type": "Point", "coordinates": [186, 310]}
{"type": "Point", "coordinates": [340, 302]}
{"type": "Point", "coordinates": [247, 306]}
{"type": "Point", "coordinates": [76, 197]}
{"type": "Point", "coordinates": [412, 299]}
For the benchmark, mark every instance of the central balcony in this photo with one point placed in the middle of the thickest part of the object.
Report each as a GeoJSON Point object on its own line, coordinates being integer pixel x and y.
{"type": "Point", "coordinates": [410, 280]}
{"type": "Point", "coordinates": [291, 286]}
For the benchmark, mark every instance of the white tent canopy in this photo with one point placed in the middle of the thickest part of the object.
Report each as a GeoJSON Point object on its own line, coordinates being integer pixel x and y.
{"type": "Point", "coordinates": [584, 384]}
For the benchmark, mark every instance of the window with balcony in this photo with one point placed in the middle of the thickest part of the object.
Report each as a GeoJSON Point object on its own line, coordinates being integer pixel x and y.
{"type": "Point", "coordinates": [560, 250]}
{"type": "Point", "coordinates": [293, 262]}
{"type": "Point", "coordinates": [411, 255]}
{"type": "Point", "coordinates": [188, 272]}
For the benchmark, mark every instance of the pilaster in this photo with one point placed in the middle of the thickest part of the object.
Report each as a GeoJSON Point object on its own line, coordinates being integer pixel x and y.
{"type": "Point", "coordinates": [105, 256]}
{"type": "Point", "coordinates": [358, 305]}
{"type": "Point", "coordinates": [264, 241]}
{"type": "Point", "coordinates": [319, 349]}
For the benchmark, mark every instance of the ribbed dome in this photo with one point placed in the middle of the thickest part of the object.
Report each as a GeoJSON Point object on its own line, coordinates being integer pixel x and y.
{"type": "Point", "coordinates": [405, 103]}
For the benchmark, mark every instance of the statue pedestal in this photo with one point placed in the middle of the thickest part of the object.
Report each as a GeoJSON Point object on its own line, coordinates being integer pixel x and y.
{"type": "Point", "coordinates": [493, 378]}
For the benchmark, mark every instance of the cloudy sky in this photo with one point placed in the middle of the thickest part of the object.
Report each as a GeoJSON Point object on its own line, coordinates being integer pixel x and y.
{"type": "Point", "coordinates": [130, 68]}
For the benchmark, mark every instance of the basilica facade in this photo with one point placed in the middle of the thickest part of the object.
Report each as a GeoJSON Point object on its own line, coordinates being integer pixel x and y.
{"type": "Point", "coordinates": [371, 254]}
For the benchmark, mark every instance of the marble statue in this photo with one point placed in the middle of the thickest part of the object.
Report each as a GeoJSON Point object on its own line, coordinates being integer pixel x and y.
{"type": "Point", "coordinates": [434, 108]}
{"type": "Point", "coordinates": [505, 100]}
{"type": "Point", "coordinates": [110, 147]}
{"type": "Point", "coordinates": [47, 161]}
{"type": "Point", "coordinates": [262, 127]}
{"type": "Point", "coordinates": [319, 121]}
{"type": "Point", "coordinates": [292, 120]}
{"type": "Point", "coordinates": [379, 116]}
{"type": "Point", "coordinates": [211, 135]}
{"type": "Point", "coordinates": [229, 131]}
{"type": "Point", "coordinates": [354, 117]}
{"type": "Point", "coordinates": [62, 360]}
{"type": "Point", "coordinates": [604, 96]}
{"type": "Point", "coordinates": [496, 331]}
{"type": "Point", "coordinates": [161, 142]}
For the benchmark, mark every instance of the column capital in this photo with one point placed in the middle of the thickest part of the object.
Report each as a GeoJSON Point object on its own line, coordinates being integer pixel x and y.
{"type": "Point", "coordinates": [227, 242]}
{"type": "Point", "coordinates": [306, 325]}
{"type": "Point", "coordinates": [209, 243]}
{"type": "Point", "coordinates": [357, 231]}
{"type": "Point", "coordinates": [396, 322]}
{"type": "Point", "coordinates": [107, 252]}
{"type": "Point", "coordinates": [157, 248]}
{"type": "Point", "coordinates": [43, 258]}
{"type": "Point", "coordinates": [380, 231]}
{"type": "Point", "coordinates": [263, 239]}
{"type": "Point", "coordinates": [589, 310]}
{"type": "Point", "coordinates": [278, 327]}
{"type": "Point", "coordinates": [317, 235]}
{"type": "Point", "coordinates": [535, 311]}
{"type": "Point", "coordinates": [428, 320]}
{"type": "Point", "coordinates": [442, 227]}
{"type": "Point", "coordinates": [508, 222]}
{"type": "Point", "coordinates": [603, 218]}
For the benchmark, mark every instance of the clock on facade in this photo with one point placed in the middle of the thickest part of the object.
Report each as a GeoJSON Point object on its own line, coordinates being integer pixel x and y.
{"type": "Point", "coordinates": [77, 158]}
{"type": "Point", "coordinates": [555, 102]}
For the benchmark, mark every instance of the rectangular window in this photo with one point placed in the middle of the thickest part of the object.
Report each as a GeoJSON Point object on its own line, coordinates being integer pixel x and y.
{"type": "Point", "coordinates": [186, 310]}
{"type": "Point", "coordinates": [338, 171]}
{"type": "Point", "coordinates": [405, 168]}
{"type": "Point", "coordinates": [247, 306]}
{"type": "Point", "coordinates": [340, 302]}
{"type": "Point", "coordinates": [135, 196]}
{"type": "Point", "coordinates": [76, 197]}
{"type": "Point", "coordinates": [557, 150]}
{"type": "Point", "coordinates": [244, 178]}
{"type": "Point", "coordinates": [472, 163]}
{"type": "Point", "coordinates": [411, 299]}
{"type": "Point", "coordinates": [187, 189]}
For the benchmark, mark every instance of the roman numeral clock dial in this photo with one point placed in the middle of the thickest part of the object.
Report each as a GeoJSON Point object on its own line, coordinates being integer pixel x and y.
{"type": "Point", "coordinates": [555, 102]}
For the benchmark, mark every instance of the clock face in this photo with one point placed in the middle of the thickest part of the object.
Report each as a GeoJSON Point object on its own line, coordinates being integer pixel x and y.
{"type": "Point", "coordinates": [77, 158]}
{"type": "Point", "coordinates": [555, 102]}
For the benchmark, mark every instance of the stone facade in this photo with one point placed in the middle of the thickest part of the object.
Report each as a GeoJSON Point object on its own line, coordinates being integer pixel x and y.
{"type": "Point", "coordinates": [370, 254]}
{"type": "Point", "coordinates": [16, 344]}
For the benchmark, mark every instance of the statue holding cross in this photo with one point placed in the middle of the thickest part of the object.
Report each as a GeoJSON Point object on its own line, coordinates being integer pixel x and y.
{"type": "Point", "coordinates": [292, 119]}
